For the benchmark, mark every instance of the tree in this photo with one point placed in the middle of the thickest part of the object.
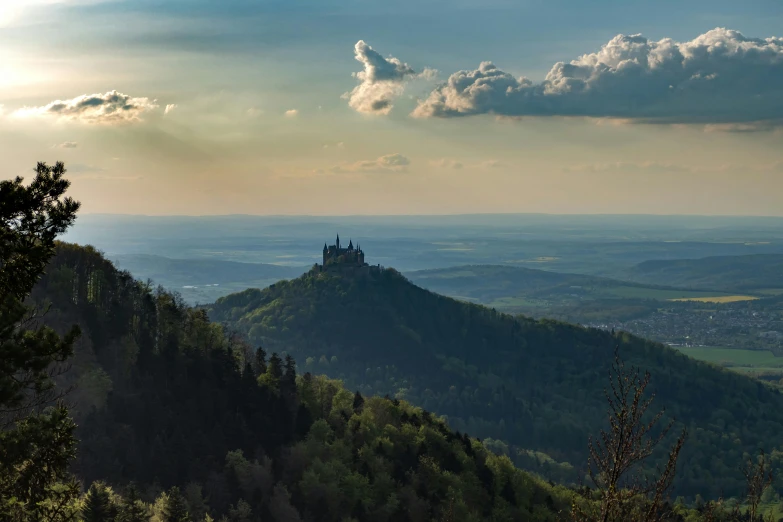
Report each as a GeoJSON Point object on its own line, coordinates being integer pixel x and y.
{"type": "Point", "coordinates": [290, 370]}
{"type": "Point", "coordinates": [36, 436]}
{"type": "Point", "coordinates": [358, 402]}
{"type": "Point", "coordinates": [132, 508]}
{"type": "Point", "coordinates": [176, 509]}
{"type": "Point", "coordinates": [275, 368]}
{"type": "Point", "coordinates": [97, 504]}
{"type": "Point", "coordinates": [617, 455]}
{"type": "Point", "coordinates": [260, 361]}
{"type": "Point", "coordinates": [758, 475]}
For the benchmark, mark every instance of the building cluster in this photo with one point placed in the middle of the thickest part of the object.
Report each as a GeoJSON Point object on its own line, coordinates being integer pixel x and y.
{"type": "Point", "coordinates": [337, 255]}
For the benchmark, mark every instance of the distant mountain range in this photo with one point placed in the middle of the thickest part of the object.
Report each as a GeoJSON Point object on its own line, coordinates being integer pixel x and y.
{"type": "Point", "coordinates": [532, 291]}
{"type": "Point", "coordinates": [758, 273]}
{"type": "Point", "coordinates": [203, 280]}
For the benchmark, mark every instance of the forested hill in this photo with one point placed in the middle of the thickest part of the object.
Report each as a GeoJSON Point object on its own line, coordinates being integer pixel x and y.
{"type": "Point", "coordinates": [751, 273]}
{"type": "Point", "coordinates": [535, 384]}
{"type": "Point", "coordinates": [207, 426]}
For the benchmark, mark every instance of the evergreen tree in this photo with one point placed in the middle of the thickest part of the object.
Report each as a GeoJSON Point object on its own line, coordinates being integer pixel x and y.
{"type": "Point", "coordinates": [260, 361]}
{"type": "Point", "coordinates": [176, 507]}
{"type": "Point", "coordinates": [290, 369]}
{"type": "Point", "coordinates": [36, 440]}
{"type": "Point", "coordinates": [132, 509]}
{"type": "Point", "coordinates": [275, 369]}
{"type": "Point", "coordinates": [288, 381]}
{"type": "Point", "coordinates": [97, 504]}
{"type": "Point", "coordinates": [358, 402]}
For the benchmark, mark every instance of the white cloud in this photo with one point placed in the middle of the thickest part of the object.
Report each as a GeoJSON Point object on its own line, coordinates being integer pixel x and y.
{"type": "Point", "coordinates": [390, 163]}
{"type": "Point", "coordinates": [170, 107]}
{"type": "Point", "coordinates": [292, 113]}
{"type": "Point", "coordinates": [718, 77]}
{"type": "Point", "coordinates": [381, 81]}
{"type": "Point", "coordinates": [446, 163]}
{"type": "Point", "coordinates": [109, 108]}
{"type": "Point", "coordinates": [67, 145]}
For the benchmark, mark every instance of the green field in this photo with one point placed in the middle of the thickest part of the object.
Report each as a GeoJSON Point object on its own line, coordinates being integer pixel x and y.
{"type": "Point", "coordinates": [739, 360]}
{"type": "Point", "coordinates": [718, 299]}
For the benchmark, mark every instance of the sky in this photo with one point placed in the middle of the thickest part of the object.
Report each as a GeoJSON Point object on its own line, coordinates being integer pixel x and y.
{"type": "Point", "coordinates": [345, 107]}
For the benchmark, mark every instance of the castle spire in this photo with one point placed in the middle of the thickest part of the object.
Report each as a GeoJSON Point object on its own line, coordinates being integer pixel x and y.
{"type": "Point", "coordinates": [338, 242]}
{"type": "Point", "coordinates": [350, 244]}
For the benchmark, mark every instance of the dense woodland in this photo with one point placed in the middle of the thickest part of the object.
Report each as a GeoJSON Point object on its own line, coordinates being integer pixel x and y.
{"type": "Point", "coordinates": [537, 385]}
{"type": "Point", "coordinates": [166, 399]}
{"type": "Point", "coordinates": [119, 403]}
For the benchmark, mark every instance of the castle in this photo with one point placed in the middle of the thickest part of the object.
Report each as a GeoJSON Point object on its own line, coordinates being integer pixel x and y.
{"type": "Point", "coordinates": [336, 255]}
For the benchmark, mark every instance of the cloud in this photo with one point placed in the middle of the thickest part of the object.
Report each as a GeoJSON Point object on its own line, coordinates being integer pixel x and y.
{"type": "Point", "coordinates": [67, 145]}
{"type": "Point", "coordinates": [718, 77]}
{"type": "Point", "coordinates": [644, 166]}
{"type": "Point", "coordinates": [389, 163]}
{"type": "Point", "coordinates": [170, 107]}
{"type": "Point", "coordinates": [381, 81]}
{"type": "Point", "coordinates": [445, 163]}
{"type": "Point", "coordinates": [744, 128]}
{"type": "Point", "coordinates": [82, 167]}
{"type": "Point", "coordinates": [292, 113]}
{"type": "Point", "coordinates": [109, 108]}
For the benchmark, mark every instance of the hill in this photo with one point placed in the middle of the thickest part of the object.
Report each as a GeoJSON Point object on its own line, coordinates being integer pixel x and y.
{"type": "Point", "coordinates": [203, 280]}
{"type": "Point", "coordinates": [167, 400]}
{"type": "Point", "coordinates": [759, 273]}
{"type": "Point", "coordinates": [528, 290]}
{"type": "Point", "coordinates": [537, 385]}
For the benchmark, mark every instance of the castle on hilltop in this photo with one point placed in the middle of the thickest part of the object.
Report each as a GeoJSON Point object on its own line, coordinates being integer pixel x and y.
{"type": "Point", "coordinates": [337, 255]}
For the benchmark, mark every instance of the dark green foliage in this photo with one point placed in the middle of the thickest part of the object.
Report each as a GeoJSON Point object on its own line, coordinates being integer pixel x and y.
{"type": "Point", "coordinates": [31, 218]}
{"type": "Point", "coordinates": [183, 412]}
{"type": "Point", "coordinates": [537, 385]}
{"type": "Point", "coordinates": [260, 361]}
{"type": "Point", "coordinates": [132, 508]}
{"type": "Point", "coordinates": [36, 436]}
{"type": "Point", "coordinates": [97, 504]}
{"type": "Point", "coordinates": [176, 509]}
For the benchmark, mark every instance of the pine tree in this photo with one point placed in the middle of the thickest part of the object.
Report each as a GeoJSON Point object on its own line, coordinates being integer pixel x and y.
{"type": "Point", "coordinates": [275, 369]}
{"type": "Point", "coordinates": [260, 361]}
{"type": "Point", "coordinates": [288, 381]}
{"type": "Point", "coordinates": [97, 504]}
{"type": "Point", "coordinates": [358, 402]}
{"type": "Point", "coordinates": [176, 508]}
{"type": "Point", "coordinates": [36, 442]}
{"type": "Point", "coordinates": [290, 369]}
{"type": "Point", "coordinates": [133, 509]}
